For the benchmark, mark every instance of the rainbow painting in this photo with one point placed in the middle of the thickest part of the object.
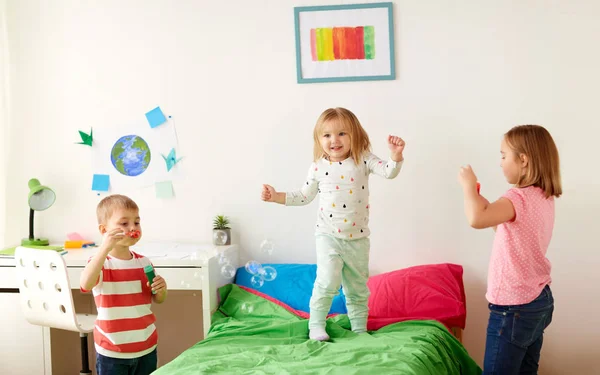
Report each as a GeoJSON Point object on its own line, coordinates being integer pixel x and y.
{"type": "Point", "coordinates": [342, 43]}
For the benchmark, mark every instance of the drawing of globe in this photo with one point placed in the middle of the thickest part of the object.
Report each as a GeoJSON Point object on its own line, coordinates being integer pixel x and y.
{"type": "Point", "coordinates": [130, 155]}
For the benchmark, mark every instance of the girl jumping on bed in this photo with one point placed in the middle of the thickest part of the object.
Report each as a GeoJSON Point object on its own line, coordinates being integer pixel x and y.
{"type": "Point", "coordinates": [518, 291]}
{"type": "Point", "coordinates": [340, 175]}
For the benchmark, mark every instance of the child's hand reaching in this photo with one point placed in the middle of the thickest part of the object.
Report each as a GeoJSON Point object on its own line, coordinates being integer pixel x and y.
{"type": "Point", "coordinates": [269, 194]}
{"type": "Point", "coordinates": [396, 145]}
{"type": "Point", "coordinates": [467, 177]}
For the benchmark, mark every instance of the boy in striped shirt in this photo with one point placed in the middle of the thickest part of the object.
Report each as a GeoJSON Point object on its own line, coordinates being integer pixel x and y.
{"type": "Point", "coordinates": [125, 335]}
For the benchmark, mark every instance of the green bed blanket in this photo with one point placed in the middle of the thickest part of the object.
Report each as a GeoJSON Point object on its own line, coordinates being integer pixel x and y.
{"type": "Point", "coordinates": [251, 335]}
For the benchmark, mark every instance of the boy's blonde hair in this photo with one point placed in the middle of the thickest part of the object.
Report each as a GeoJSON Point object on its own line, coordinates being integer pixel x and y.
{"type": "Point", "coordinates": [543, 168]}
{"type": "Point", "coordinates": [108, 205]}
{"type": "Point", "coordinates": [359, 139]}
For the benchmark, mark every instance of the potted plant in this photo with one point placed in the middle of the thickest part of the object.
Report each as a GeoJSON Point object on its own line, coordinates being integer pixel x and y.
{"type": "Point", "coordinates": [221, 231]}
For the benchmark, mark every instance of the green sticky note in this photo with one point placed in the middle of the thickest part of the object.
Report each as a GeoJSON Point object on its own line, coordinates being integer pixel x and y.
{"type": "Point", "coordinates": [164, 190]}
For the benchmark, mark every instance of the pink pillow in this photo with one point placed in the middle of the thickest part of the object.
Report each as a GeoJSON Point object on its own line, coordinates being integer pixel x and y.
{"type": "Point", "coordinates": [422, 292]}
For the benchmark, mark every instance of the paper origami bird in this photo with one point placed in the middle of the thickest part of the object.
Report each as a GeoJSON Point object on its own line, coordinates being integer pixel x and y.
{"type": "Point", "coordinates": [171, 159]}
{"type": "Point", "coordinates": [86, 139]}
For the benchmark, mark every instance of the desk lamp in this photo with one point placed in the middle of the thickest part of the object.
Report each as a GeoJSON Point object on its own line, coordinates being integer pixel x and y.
{"type": "Point", "coordinates": [40, 198]}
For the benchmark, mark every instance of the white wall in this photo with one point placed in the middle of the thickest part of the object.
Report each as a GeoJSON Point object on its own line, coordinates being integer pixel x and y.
{"type": "Point", "coordinates": [4, 91]}
{"type": "Point", "coordinates": [467, 72]}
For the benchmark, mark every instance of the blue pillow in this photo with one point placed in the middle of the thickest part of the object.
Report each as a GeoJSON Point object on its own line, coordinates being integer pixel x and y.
{"type": "Point", "coordinates": [292, 286]}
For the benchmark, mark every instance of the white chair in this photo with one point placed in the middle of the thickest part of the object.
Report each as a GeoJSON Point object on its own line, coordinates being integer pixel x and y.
{"type": "Point", "coordinates": [46, 298]}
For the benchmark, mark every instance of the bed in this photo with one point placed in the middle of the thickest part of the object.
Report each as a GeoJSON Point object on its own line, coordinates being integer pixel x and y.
{"type": "Point", "coordinates": [415, 320]}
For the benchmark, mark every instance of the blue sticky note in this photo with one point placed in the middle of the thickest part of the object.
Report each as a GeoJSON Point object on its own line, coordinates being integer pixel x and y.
{"type": "Point", "coordinates": [156, 117]}
{"type": "Point", "coordinates": [164, 190]}
{"type": "Point", "coordinates": [101, 182]}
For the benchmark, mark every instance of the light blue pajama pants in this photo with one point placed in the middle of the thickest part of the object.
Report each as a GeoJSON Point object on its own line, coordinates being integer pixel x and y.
{"type": "Point", "coordinates": [344, 262]}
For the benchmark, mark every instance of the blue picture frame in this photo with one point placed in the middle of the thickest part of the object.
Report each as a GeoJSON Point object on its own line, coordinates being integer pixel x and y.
{"type": "Point", "coordinates": [392, 62]}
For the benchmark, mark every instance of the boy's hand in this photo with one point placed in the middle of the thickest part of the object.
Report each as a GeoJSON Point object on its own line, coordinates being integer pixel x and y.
{"type": "Point", "coordinates": [268, 193]}
{"type": "Point", "coordinates": [396, 145]}
{"type": "Point", "coordinates": [467, 177]}
{"type": "Point", "coordinates": [112, 238]}
{"type": "Point", "coordinates": [159, 285]}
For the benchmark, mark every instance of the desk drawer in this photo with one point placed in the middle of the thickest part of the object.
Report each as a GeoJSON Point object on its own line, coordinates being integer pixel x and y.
{"type": "Point", "coordinates": [176, 278]}
{"type": "Point", "coordinates": [8, 278]}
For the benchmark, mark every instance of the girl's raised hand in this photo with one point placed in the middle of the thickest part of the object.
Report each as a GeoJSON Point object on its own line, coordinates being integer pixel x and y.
{"type": "Point", "coordinates": [467, 177]}
{"type": "Point", "coordinates": [396, 145]}
{"type": "Point", "coordinates": [268, 193]}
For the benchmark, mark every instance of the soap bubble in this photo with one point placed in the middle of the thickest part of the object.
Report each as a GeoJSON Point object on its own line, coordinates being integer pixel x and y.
{"type": "Point", "coordinates": [246, 308]}
{"type": "Point", "coordinates": [267, 246]}
{"type": "Point", "coordinates": [198, 256]}
{"type": "Point", "coordinates": [228, 271]}
{"type": "Point", "coordinates": [222, 259]}
{"type": "Point", "coordinates": [220, 237]}
{"type": "Point", "coordinates": [268, 273]}
{"type": "Point", "coordinates": [253, 267]}
{"type": "Point", "coordinates": [257, 281]}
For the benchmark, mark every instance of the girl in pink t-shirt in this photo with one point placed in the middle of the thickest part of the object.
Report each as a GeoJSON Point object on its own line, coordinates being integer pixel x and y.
{"type": "Point", "coordinates": [519, 295]}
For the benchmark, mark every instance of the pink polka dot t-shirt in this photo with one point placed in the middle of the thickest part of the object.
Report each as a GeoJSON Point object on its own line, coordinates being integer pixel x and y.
{"type": "Point", "coordinates": [519, 269]}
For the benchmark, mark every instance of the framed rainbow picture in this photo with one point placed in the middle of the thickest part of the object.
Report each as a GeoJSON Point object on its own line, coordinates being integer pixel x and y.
{"type": "Point", "coordinates": [353, 42]}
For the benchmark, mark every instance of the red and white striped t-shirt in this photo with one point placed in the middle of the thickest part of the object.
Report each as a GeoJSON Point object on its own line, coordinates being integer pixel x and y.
{"type": "Point", "coordinates": [125, 324]}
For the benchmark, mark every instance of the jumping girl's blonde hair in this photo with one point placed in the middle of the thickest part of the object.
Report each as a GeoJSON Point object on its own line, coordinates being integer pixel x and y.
{"type": "Point", "coordinates": [359, 139]}
{"type": "Point", "coordinates": [543, 168]}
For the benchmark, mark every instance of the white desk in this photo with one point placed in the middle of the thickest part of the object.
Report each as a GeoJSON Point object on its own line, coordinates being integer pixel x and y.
{"type": "Point", "coordinates": [187, 267]}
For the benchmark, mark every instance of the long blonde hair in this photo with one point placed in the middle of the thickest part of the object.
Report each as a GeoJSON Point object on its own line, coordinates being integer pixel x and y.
{"type": "Point", "coordinates": [359, 139]}
{"type": "Point", "coordinates": [543, 168]}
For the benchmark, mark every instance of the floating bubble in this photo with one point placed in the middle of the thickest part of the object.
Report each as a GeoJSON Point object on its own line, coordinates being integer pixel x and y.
{"type": "Point", "coordinates": [246, 308]}
{"type": "Point", "coordinates": [196, 255]}
{"type": "Point", "coordinates": [222, 259]}
{"type": "Point", "coordinates": [253, 267]}
{"type": "Point", "coordinates": [220, 237]}
{"type": "Point", "coordinates": [257, 281]}
{"type": "Point", "coordinates": [268, 273]}
{"type": "Point", "coordinates": [267, 246]}
{"type": "Point", "coordinates": [228, 271]}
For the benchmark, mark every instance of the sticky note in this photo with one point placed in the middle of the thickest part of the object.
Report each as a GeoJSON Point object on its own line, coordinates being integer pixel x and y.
{"type": "Point", "coordinates": [101, 182]}
{"type": "Point", "coordinates": [164, 190]}
{"type": "Point", "coordinates": [156, 117]}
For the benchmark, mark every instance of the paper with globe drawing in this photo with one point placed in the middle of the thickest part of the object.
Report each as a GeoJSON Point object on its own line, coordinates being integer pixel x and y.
{"type": "Point", "coordinates": [132, 155]}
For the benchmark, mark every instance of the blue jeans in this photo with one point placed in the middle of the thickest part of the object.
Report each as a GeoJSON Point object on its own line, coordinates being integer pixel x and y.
{"type": "Point", "coordinates": [515, 335]}
{"type": "Point", "coordinates": [143, 365]}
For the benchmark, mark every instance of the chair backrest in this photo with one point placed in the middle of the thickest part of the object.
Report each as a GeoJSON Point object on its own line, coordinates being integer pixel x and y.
{"type": "Point", "coordinates": [45, 292]}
